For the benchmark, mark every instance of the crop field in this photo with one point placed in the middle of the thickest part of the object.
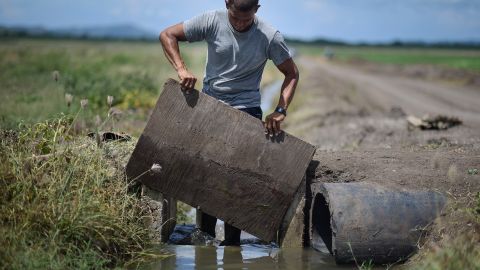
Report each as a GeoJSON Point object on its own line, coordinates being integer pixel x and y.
{"type": "Point", "coordinates": [452, 58]}
{"type": "Point", "coordinates": [132, 72]}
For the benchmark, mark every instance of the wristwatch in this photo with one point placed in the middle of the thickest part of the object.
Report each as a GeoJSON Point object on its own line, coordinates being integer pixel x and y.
{"type": "Point", "coordinates": [281, 110]}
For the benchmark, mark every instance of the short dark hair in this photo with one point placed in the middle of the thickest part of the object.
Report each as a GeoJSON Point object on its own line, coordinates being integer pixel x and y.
{"type": "Point", "coordinates": [244, 5]}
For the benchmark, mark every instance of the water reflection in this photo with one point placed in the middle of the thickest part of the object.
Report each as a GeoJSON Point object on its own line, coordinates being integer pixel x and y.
{"type": "Point", "coordinates": [244, 257]}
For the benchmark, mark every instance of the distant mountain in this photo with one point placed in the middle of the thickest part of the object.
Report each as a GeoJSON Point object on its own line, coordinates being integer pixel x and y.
{"type": "Point", "coordinates": [132, 32]}
{"type": "Point", "coordinates": [469, 44]}
{"type": "Point", "coordinates": [115, 31]}
{"type": "Point", "coordinates": [121, 31]}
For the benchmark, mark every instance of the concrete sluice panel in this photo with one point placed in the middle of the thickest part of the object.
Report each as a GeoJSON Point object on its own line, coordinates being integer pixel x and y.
{"type": "Point", "coordinates": [364, 221]}
{"type": "Point", "coordinates": [162, 211]}
{"type": "Point", "coordinates": [219, 158]}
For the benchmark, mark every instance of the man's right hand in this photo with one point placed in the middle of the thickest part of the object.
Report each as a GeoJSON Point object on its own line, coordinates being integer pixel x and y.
{"type": "Point", "coordinates": [170, 38]}
{"type": "Point", "coordinates": [187, 79]}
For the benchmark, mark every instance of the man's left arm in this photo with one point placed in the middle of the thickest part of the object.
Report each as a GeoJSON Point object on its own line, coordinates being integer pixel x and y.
{"type": "Point", "coordinates": [273, 121]}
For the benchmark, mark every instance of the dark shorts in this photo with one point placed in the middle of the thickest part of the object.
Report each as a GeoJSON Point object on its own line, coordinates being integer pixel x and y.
{"type": "Point", "coordinates": [254, 111]}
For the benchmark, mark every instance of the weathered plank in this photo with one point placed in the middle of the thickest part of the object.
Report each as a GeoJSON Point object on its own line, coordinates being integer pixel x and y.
{"type": "Point", "coordinates": [218, 158]}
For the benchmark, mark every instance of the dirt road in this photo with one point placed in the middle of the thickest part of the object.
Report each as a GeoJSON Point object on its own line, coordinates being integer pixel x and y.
{"type": "Point", "coordinates": [344, 107]}
{"type": "Point", "coordinates": [414, 96]}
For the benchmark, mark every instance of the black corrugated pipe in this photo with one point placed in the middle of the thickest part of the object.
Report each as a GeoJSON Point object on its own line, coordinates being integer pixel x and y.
{"type": "Point", "coordinates": [364, 221]}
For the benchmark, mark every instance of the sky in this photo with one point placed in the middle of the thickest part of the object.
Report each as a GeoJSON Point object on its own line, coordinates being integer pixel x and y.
{"type": "Point", "coordinates": [347, 20]}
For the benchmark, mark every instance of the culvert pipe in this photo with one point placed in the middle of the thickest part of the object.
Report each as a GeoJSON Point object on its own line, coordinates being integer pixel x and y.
{"type": "Point", "coordinates": [364, 221]}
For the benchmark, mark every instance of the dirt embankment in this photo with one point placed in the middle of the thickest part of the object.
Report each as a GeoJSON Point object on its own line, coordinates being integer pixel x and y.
{"type": "Point", "coordinates": [357, 118]}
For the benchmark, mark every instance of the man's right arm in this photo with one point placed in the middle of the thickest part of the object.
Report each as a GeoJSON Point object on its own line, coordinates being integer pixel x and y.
{"type": "Point", "coordinates": [169, 39]}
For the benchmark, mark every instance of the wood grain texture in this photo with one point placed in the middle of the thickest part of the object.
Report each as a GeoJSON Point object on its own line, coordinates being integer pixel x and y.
{"type": "Point", "coordinates": [218, 158]}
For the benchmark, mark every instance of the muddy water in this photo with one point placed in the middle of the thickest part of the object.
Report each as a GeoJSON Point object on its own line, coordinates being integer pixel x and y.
{"type": "Point", "coordinates": [244, 257]}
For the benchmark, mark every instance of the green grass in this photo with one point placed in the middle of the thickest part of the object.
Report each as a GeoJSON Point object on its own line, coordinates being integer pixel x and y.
{"type": "Point", "coordinates": [88, 70]}
{"type": "Point", "coordinates": [132, 72]}
{"type": "Point", "coordinates": [65, 202]}
{"type": "Point", "coordinates": [460, 59]}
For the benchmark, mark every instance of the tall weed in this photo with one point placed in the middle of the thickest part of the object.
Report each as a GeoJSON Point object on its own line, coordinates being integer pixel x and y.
{"type": "Point", "coordinates": [64, 201]}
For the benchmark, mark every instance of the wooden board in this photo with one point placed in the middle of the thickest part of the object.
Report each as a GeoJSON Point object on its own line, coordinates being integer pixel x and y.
{"type": "Point", "coordinates": [219, 158]}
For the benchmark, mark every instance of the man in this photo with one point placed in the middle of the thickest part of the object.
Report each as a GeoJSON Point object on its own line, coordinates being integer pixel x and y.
{"type": "Point", "coordinates": [239, 45]}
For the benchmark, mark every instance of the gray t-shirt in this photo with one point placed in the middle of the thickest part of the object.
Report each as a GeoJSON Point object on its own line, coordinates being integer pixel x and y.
{"type": "Point", "coordinates": [235, 60]}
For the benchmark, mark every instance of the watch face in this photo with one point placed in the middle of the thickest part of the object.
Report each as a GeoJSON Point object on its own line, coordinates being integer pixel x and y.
{"type": "Point", "coordinates": [281, 110]}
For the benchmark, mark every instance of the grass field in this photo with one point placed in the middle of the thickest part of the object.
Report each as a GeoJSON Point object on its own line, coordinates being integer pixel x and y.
{"type": "Point", "coordinates": [453, 58]}
{"type": "Point", "coordinates": [88, 70]}
{"type": "Point", "coordinates": [132, 72]}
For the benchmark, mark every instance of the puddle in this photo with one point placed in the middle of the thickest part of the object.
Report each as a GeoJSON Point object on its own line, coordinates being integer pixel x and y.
{"type": "Point", "coordinates": [243, 257]}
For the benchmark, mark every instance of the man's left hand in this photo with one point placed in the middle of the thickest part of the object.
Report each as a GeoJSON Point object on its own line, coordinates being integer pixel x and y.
{"type": "Point", "coordinates": [272, 123]}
